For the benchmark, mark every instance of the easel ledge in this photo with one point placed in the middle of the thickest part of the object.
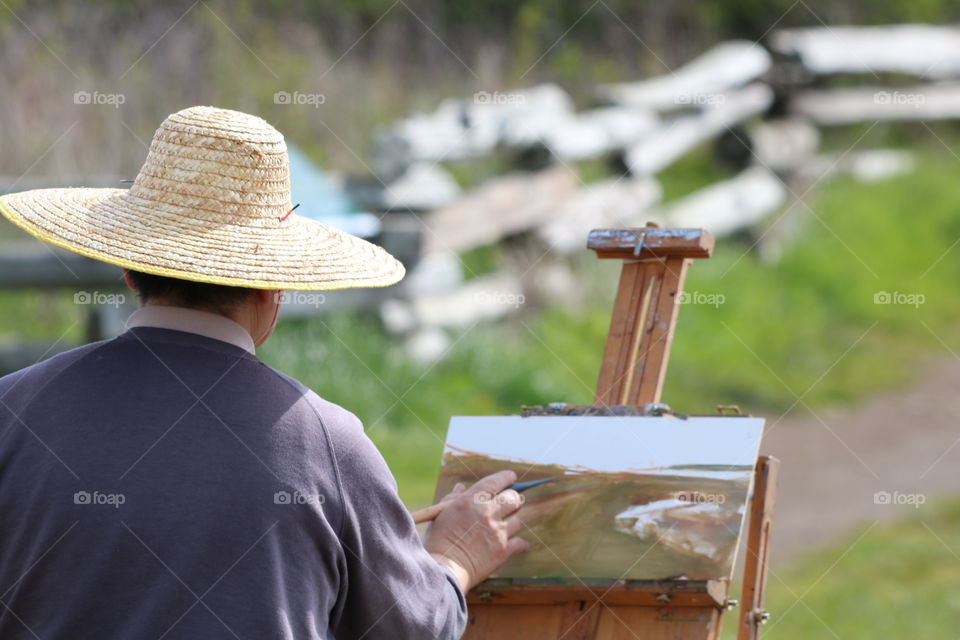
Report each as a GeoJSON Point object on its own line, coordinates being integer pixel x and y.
{"type": "Point", "coordinates": [650, 593]}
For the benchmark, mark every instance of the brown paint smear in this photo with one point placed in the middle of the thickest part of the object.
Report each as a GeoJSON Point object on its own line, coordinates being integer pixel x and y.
{"type": "Point", "coordinates": [579, 525]}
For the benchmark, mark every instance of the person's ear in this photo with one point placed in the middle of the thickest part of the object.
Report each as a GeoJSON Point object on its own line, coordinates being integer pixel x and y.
{"type": "Point", "coordinates": [128, 280]}
{"type": "Point", "coordinates": [265, 296]}
{"type": "Point", "coordinates": [265, 299]}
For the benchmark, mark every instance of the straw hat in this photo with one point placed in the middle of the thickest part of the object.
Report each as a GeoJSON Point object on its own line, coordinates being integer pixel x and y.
{"type": "Point", "coordinates": [210, 204]}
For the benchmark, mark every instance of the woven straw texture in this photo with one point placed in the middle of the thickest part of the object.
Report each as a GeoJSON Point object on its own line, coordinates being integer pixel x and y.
{"type": "Point", "coordinates": [208, 205]}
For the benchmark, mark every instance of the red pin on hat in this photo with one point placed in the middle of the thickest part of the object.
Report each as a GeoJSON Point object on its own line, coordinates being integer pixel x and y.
{"type": "Point", "coordinates": [287, 214]}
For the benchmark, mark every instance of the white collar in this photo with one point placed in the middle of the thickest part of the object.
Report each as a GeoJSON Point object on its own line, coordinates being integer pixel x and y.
{"type": "Point", "coordinates": [204, 323]}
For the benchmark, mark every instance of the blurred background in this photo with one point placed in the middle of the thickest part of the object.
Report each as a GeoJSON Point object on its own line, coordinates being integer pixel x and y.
{"type": "Point", "coordinates": [481, 141]}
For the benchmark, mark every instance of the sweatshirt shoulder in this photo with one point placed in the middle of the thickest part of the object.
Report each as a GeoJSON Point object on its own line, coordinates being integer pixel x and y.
{"type": "Point", "coordinates": [42, 372]}
{"type": "Point", "coordinates": [334, 417]}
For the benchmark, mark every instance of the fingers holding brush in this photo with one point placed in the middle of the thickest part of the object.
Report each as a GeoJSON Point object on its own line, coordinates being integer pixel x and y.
{"type": "Point", "coordinates": [473, 535]}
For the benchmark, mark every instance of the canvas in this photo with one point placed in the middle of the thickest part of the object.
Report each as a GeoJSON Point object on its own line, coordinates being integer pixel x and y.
{"type": "Point", "coordinates": [633, 497]}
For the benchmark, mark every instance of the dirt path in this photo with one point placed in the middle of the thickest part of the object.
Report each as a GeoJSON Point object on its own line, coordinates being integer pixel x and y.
{"type": "Point", "coordinates": [834, 462]}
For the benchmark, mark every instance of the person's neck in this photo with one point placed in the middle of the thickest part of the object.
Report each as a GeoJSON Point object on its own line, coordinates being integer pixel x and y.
{"type": "Point", "coordinates": [235, 315]}
{"type": "Point", "coordinates": [257, 315]}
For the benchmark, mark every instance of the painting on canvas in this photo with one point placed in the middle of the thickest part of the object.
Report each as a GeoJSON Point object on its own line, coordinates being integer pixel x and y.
{"type": "Point", "coordinates": [631, 497]}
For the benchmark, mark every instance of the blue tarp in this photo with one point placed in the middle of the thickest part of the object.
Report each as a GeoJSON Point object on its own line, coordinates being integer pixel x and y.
{"type": "Point", "coordinates": [322, 199]}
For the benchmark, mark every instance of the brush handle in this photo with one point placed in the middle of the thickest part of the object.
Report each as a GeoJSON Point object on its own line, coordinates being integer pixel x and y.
{"type": "Point", "coordinates": [429, 513]}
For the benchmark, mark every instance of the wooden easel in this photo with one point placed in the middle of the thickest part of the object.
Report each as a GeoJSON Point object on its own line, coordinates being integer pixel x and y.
{"type": "Point", "coordinates": [655, 262]}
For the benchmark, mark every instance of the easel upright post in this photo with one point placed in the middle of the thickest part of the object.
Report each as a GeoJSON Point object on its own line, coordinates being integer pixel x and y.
{"type": "Point", "coordinates": [752, 613]}
{"type": "Point", "coordinates": [655, 263]}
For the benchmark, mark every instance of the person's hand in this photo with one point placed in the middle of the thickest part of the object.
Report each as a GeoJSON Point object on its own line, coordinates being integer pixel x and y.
{"type": "Point", "coordinates": [476, 532]}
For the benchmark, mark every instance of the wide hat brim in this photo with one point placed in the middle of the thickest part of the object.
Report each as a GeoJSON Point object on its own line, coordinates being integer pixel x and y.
{"type": "Point", "coordinates": [114, 226]}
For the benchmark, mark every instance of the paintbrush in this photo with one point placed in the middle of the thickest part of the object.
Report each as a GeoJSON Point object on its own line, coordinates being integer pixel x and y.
{"type": "Point", "coordinates": [430, 513]}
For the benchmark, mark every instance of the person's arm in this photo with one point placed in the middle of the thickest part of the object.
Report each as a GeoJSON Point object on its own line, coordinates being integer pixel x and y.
{"type": "Point", "coordinates": [392, 587]}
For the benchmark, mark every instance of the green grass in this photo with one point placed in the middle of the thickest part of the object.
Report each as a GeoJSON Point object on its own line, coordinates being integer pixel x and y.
{"type": "Point", "coordinates": [899, 580]}
{"type": "Point", "coordinates": [691, 172]}
{"type": "Point", "coordinates": [40, 317]}
{"type": "Point", "coordinates": [783, 326]}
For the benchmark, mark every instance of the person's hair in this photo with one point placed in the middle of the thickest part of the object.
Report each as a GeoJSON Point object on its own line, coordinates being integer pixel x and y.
{"type": "Point", "coordinates": [186, 293]}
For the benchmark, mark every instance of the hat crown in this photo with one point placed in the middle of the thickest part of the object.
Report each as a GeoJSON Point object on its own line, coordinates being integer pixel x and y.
{"type": "Point", "coordinates": [219, 164]}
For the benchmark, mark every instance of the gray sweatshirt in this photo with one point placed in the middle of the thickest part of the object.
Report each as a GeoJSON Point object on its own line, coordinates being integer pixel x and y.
{"type": "Point", "coordinates": [168, 485]}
